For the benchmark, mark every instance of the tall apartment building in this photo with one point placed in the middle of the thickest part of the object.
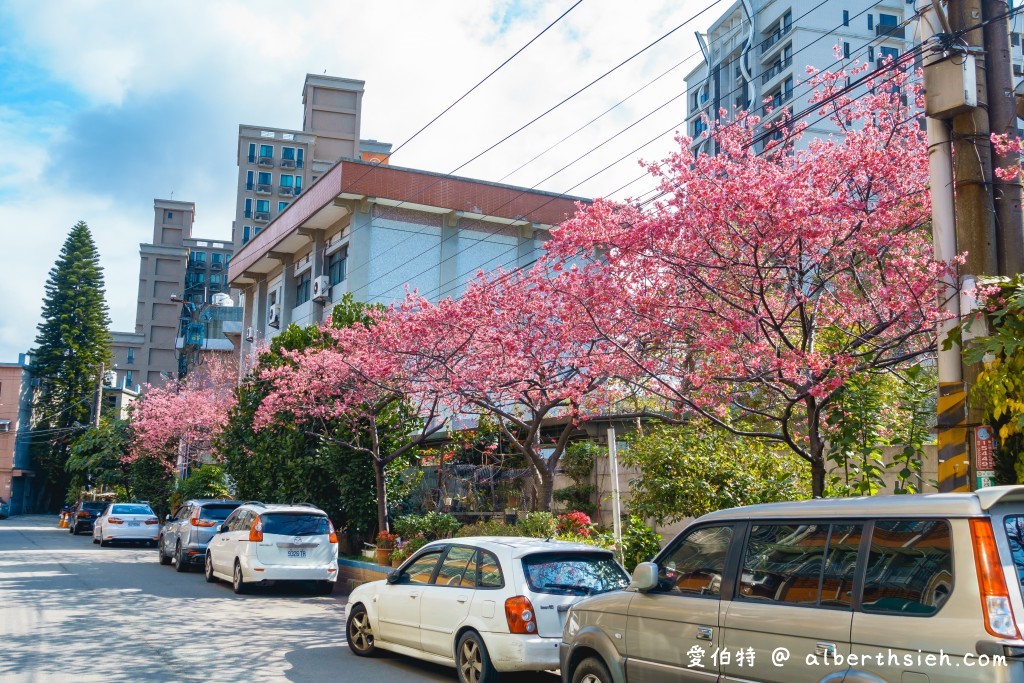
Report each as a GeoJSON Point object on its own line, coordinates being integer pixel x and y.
{"type": "Point", "coordinates": [759, 50]}
{"type": "Point", "coordinates": [178, 273]}
{"type": "Point", "coordinates": [16, 474]}
{"type": "Point", "coordinates": [275, 165]}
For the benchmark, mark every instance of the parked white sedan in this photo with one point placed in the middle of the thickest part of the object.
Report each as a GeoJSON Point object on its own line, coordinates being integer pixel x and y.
{"type": "Point", "coordinates": [126, 522]}
{"type": "Point", "coordinates": [482, 605]}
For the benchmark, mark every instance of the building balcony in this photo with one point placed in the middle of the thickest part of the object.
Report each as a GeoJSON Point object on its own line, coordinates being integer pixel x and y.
{"type": "Point", "coordinates": [196, 265]}
{"type": "Point", "coordinates": [216, 265]}
{"type": "Point", "coordinates": [776, 70]}
{"type": "Point", "coordinates": [263, 188]}
{"type": "Point", "coordinates": [891, 31]}
{"type": "Point", "coordinates": [771, 41]}
{"type": "Point", "coordinates": [265, 161]}
{"type": "Point", "coordinates": [261, 216]}
{"type": "Point", "coordinates": [286, 191]}
{"type": "Point", "coordinates": [287, 163]}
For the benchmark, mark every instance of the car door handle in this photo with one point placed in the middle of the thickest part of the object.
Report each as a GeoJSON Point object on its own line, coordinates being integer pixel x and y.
{"type": "Point", "coordinates": [704, 632]}
{"type": "Point", "coordinates": [461, 598]}
{"type": "Point", "coordinates": [822, 648]}
{"type": "Point", "coordinates": [414, 594]}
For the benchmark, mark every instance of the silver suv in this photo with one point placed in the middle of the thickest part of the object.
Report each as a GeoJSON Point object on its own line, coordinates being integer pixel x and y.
{"type": "Point", "coordinates": [922, 588]}
{"type": "Point", "coordinates": [188, 531]}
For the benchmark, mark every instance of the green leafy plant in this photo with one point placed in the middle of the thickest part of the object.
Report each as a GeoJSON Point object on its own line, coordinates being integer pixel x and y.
{"type": "Point", "coordinates": [640, 543]}
{"type": "Point", "coordinates": [578, 464]}
{"type": "Point", "coordinates": [538, 525]}
{"type": "Point", "coordinates": [491, 527]}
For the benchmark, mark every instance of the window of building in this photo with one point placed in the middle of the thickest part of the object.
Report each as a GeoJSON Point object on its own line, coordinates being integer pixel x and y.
{"type": "Point", "coordinates": [787, 21]}
{"type": "Point", "coordinates": [298, 184]}
{"type": "Point", "coordinates": [337, 265]}
{"type": "Point", "coordinates": [887, 52]}
{"type": "Point", "coordinates": [281, 206]}
{"type": "Point", "coordinates": [252, 152]}
{"type": "Point", "coordinates": [128, 378]}
{"type": "Point", "coordinates": [1015, 39]}
{"type": "Point", "coordinates": [288, 153]}
{"type": "Point", "coordinates": [299, 153]}
{"type": "Point", "coordinates": [131, 357]}
{"type": "Point", "coordinates": [248, 180]}
{"type": "Point", "coordinates": [262, 206]}
{"type": "Point", "coordinates": [871, 21]}
{"type": "Point", "coordinates": [248, 207]}
{"type": "Point", "coordinates": [287, 181]}
{"type": "Point", "coordinates": [889, 20]}
{"type": "Point", "coordinates": [846, 50]}
{"type": "Point", "coordinates": [846, 17]}
{"type": "Point", "coordinates": [215, 279]}
{"type": "Point", "coordinates": [199, 256]}
{"type": "Point", "coordinates": [246, 234]}
{"type": "Point", "coordinates": [266, 151]}
{"type": "Point", "coordinates": [216, 257]}
{"type": "Point", "coordinates": [871, 53]}
{"type": "Point", "coordinates": [263, 181]}
{"type": "Point", "coordinates": [910, 568]}
{"type": "Point", "coordinates": [787, 89]}
{"type": "Point", "coordinates": [302, 287]}
{"type": "Point", "coordinates": [200, 278]}
{"type": "Point", "coordinates": [257, 230]}
{"type": "Point", "coordinates": [170, 215]}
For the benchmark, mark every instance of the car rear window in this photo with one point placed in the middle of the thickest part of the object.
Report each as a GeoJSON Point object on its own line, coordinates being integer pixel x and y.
{"type": "Point", "coordinates": [131, 510]}
{"type": "Point", "coordinates": [95, 506]}
{"type": "Point", "coordinates": [573, 573]}
{"type": "Point", "coordinates": [294, 524]}
{"type": "Point", "coordinates": [1014, 527]}
{"type": "Point", "coordinates": [216, 512]}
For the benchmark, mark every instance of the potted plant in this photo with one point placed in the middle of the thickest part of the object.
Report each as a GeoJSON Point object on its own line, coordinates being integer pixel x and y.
{"type": "Point", "coordinates": [385, 544]}
{"type": "Point", "coordinates": [399, 555]}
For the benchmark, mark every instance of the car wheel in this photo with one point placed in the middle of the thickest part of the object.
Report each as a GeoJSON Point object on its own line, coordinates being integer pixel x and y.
{"type": "Point", "coordinates": [591, 670]}
{"type": "Point", "coordinates": [472, 661]}
{"type": "Point", "coordinates": [95, 540]}
{"type": "Point", "coordinates": [360, 634]}
{"type": "Point", "coordinates": [104, 543]}
{"type": "Point", "coordinates": [180, 564]}
{"type": "Point", "coordinates": [208, 572]}
{"type": "Point", "coordinates": [164, 558]}
{"type": "Point", "coordinates": [237, 580]}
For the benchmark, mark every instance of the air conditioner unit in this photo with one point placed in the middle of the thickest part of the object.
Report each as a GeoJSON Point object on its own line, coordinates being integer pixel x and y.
{"type": "Point", "coordinates": [249, 334]}
{"type": "Point", "coordinates": [321, 288]}
{"type": "Point", "coordinates": [274, 316]}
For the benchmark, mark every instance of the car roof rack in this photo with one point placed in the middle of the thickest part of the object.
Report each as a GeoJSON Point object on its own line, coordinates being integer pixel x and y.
{"type": "Point", "coordinates": [255, 502]}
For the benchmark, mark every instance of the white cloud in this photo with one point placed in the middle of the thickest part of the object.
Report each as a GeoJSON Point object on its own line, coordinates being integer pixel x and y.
{"type": "Point", "coordinates": [164, 86]}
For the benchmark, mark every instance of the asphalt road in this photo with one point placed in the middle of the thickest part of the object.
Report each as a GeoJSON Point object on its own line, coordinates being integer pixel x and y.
{"type": "Point", "coordinates": [72, 611]}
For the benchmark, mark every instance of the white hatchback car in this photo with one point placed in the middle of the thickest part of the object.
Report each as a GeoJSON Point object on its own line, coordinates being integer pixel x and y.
{"type": "Point", "coordinates": [482, 605]}
{"type": "Point", "coordinates": [259, 544]}
{"type": "Point", "coordinates": [128, 522]}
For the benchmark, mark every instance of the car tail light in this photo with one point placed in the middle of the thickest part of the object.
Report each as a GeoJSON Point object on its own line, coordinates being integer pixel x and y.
{"type": "Point", "coordinates": [256, 532]}
{"type": "Point", "coordinates": [519, 613]}
{"type": "Point", "coordinates": [995, 598]}
{"type": "Point", "coordinates": [115, 520]}
{"type": "Point", "coordinates": [334, 534]}
{"type": "Point", "coordinates": [83, 513]}
{"type": "Point", "coordinates": [195, 521]}
{"type": "Point", "coordinates": [153, 520]}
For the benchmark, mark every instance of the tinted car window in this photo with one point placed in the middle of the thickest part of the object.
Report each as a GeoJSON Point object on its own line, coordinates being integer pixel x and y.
{"type": "Point", "coordinates": [696, 564]}
{"type": "Point", "coordinates": [489, 571]}
{"type": "Point", "coordinates": [1014, 527]}
{"type": "Point", "coordinates": [458, 568]}
{"type": "Point", "coordinates": [131, 510]}
{"type": "Point", "coordinates": [422, 569]}
{"type": "Point", "coordinates": [94, 507]}
{"type": "Point", "coordinates": [840, 565]}
{"type": "Point", "coordinates": [910, 568]}
{"type": "Point", "coordinates": [783, 563]}
{"type": "Point", "coordinates": [576, 573]}
{"type": "Point", "coordinates": [294, 524]}
{"type": "Point", "coordinates": [216, 512]}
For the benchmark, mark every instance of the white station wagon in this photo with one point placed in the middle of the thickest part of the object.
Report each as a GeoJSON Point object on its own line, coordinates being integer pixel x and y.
{"type": "Point", "coordinates": [482, 605]}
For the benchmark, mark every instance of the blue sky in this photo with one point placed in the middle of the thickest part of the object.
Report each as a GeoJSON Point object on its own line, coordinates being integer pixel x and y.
{"type": "Point", "coordinates": [105, 106]}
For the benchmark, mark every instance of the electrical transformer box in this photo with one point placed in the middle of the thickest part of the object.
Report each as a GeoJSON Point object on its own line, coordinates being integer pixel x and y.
{"type": "Point", "coordinates": [950, 86]}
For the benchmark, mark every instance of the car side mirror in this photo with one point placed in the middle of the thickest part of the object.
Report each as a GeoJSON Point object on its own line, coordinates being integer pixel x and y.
{"type": "Point", "coordinates": [167, 518]}
{"type": "Point", "coordinates": [394, 576]}
{"type": "Point", "coordinates": [223, 528]}
{"type": "Point", "coordinates": [645, 577]}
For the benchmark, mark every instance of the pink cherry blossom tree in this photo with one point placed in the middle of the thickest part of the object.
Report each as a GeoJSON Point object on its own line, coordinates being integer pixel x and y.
{"type": "Point", "coordinates": [177, 422]}
{"type": "Point", "coordinates": [369, 383]}
{"type": "Point", "coordinates": [764, 279]}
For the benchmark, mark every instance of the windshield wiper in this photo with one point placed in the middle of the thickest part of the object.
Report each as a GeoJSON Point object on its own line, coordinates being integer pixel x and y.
{"type": "Point", "coordinates": [570, 587]}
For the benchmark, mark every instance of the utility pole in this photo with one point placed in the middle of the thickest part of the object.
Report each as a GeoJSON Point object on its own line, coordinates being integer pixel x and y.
{"type": "Point", "coordinates": [1006, 194]}
{"type": "Point", "coordinates": [97, 406]}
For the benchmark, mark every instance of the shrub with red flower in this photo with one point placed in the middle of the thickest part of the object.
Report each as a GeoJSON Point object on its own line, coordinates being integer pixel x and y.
{"type": "Point", "coordinates": [576, 523]}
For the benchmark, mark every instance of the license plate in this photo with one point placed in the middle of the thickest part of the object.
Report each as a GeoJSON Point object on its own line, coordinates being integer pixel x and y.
{"type": "Point", "coordinates": [134, 523]}
{"type": "Point", "coordinates": [296, 553]}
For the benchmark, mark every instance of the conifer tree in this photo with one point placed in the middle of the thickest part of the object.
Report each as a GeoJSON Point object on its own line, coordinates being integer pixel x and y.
{"type": "Point", "coordinates": [72, 343]}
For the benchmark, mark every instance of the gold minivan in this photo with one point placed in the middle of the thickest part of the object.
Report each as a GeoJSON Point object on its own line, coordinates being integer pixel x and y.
{"type": "Point", "coordinates": [898, 589]}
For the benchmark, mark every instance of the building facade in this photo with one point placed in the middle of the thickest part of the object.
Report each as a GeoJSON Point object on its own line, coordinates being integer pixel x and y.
{"type": "Point", "coordinates": [756, 55]}
{"type": "Point", "coordinates": [374, 230]}
{"type": "Point", "coordinates": [179, 275]}
{"type": "Point", "coordinates": [275, 165]}
{"type": "Point", "coordinates": [17, 479]}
